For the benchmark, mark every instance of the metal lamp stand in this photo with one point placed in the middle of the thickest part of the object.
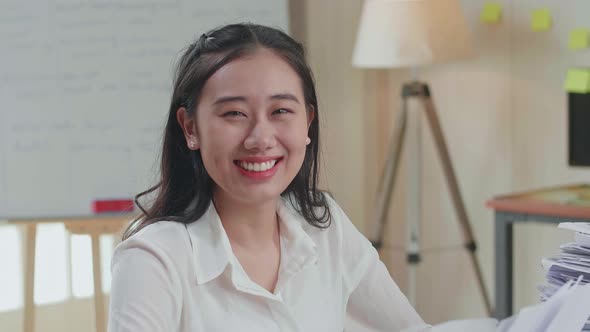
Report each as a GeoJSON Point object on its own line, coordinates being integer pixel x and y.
{"type": "Point", "coordinates": [421, 91]}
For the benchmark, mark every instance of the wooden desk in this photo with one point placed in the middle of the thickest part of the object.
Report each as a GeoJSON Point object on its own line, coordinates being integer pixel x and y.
{"type": "Point", "coordinates": [95, 226]}
{"type": "Point", "coordinates": [550, 205]}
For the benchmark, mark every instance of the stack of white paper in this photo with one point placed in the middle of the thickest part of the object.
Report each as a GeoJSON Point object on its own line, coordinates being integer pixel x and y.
{"type": "Point", "coordinates": [572, 263]}
{"type": "Point", "coordinates": [565, 299]}
{"type": "Point", "coordinates": [566, 311]}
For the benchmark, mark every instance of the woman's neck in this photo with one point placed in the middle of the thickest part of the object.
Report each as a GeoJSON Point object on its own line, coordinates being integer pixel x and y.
{"type": "Point", "coordinates": [249, 226]}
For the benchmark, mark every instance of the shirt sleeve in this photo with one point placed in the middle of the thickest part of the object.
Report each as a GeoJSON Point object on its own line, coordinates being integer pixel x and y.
{"type": "Point", "coordinates": [377, 304]}
{"type": "Point", "coordinates": [143, 290]}
{"type": "Point", "coordinates": [374, 303]}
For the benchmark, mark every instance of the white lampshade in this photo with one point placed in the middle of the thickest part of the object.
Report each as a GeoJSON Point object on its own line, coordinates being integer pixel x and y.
{"type": "Point", "coordinates": [410, 33]}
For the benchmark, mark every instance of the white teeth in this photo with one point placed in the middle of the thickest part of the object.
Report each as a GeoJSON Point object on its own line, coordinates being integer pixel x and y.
{"type": "Point", "coordinates": [257, 167]}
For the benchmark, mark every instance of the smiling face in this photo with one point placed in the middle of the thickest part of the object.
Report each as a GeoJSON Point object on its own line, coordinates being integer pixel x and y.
{"type": "Point", "coordinates": [251, 127]}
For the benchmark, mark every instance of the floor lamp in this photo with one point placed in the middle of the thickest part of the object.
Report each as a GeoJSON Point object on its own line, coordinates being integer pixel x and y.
{"type": "Point", "coordinates": [414, 33]}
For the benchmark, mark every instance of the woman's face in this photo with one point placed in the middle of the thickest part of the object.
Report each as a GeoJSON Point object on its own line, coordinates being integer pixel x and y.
{"type": "Point", "coordinates": [251, 127]}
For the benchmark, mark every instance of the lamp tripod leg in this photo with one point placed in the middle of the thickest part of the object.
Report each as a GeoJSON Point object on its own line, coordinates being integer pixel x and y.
{"type": "Point", "coordinates": [388, 176]}
{"type": "Point", "coordinates": [413, 217]}
{"type": "Point", "coordinates": [455, 195]}
{"type": "Point", "coordinates": [385, 192]}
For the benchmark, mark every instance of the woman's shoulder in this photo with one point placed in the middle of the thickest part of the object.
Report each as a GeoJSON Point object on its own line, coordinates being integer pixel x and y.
{"type": "Point", "coordinates": [335, 209]}
{"type": "Point", "coordinates": [160, 233]}
{"type": "Point", "coordinates": [326, 201]}
{"type": "Point", "coordinates": [343, 228]}
{"type": "Point", "coordinates": [167, 241]}
{"type": "Point", "coordinates": [338, 223]}
{"type": "Point", "coordinates": [151, 265]}
{"type": "Point", "coordinates": [338, 218]}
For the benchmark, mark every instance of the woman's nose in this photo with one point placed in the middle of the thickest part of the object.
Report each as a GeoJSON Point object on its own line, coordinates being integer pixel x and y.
{"type": "Point", "coordinates": [261, 137]}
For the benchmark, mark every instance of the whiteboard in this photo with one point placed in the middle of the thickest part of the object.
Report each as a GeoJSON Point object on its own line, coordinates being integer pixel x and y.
{"type": "Point", "coordinates": [84, 93]}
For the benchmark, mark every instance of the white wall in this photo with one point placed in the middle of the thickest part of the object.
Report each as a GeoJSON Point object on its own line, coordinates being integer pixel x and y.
{"type": "Point", "coordinates": [538, 106]}
{"type": "Point", "coordinates": [504, 116]}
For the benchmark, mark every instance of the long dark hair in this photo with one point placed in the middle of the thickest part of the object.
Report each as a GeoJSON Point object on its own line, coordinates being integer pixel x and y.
{"type": "Point", "coordinates": [185, 189]}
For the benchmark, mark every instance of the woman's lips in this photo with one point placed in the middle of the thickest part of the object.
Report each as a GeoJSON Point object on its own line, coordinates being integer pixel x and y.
{"type": "Point", "coordinates": [259, 169]}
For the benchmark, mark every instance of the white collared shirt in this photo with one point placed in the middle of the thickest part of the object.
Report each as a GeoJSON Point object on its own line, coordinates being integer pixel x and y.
{"type": "Point", "coordinates": [176, 277]}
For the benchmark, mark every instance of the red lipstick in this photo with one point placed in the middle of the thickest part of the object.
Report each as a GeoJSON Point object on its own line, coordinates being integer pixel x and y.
{"type": "Point", "coordinates": [261, 175]}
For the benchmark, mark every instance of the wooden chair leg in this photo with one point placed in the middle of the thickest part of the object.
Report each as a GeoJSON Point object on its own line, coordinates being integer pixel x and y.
{"type": "Point", "coordinates": [98, 295]}
{"type": "Point", "coordinates": [29, 315]}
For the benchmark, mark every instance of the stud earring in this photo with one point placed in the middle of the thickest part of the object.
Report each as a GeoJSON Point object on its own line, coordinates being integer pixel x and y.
{"type": "Point", "coordinates": [307, 141]}
{"type": "Point", "coordinates": [193, 143]}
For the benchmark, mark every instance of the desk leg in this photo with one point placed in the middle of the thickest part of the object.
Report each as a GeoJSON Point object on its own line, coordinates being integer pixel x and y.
{"type": "Point", "coordinates": [98, 296]}
{"type": "Point", "coordinates": [29, 315]}
{"type": "Point", "coordinates": [503, 262]}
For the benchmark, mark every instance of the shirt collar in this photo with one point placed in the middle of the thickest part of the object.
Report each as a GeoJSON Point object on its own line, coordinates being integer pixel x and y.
{"type": "Point", "coordinates": [295, 239]}
{"type": "Point", "coordinates": [211, 247]}
{"type": "Point", "coordinates": [212, 250]}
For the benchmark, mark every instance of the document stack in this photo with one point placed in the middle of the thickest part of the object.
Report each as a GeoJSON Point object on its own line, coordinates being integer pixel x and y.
{"type": "Point", "coordinates": [572, 264]}
{"type": "Point", "coordinates": [565, 300]}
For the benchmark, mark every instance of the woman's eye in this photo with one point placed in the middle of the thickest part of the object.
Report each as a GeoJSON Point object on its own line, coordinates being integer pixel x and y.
{"type": "Point", "coordinates": [233, 114]}
{"type": "Point", "coordinates": [282, 111]}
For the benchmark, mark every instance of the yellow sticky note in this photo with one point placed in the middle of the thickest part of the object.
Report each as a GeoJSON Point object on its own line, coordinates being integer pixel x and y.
{"type": "Point", "coordinates": [578, 81]}
{"type": "Point", "coordinates": [541, 20]}
{"type": "Point", "coordinates": [491, 13]}
{"type": "Point", "coordinates": [579, 38]}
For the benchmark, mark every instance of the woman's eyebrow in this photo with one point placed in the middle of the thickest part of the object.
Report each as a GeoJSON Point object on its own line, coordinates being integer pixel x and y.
{"type": "Point", "coordinates": [280, 96]}
{"type": "Point", "coordinates": [228, 99]}
{"type": "Point", "coordinates": [284, 96]}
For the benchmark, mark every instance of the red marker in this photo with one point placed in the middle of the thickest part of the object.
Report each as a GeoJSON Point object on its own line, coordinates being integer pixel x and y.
{"type": "Point", "coordinates": [112, 205]}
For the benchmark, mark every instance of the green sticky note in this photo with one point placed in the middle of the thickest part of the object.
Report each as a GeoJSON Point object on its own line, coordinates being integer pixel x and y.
{"type": "Point", "coordinates": [491, 13]}
{"type": "Point", "coordinates": [578, 81]}
{"type": "Point", "coordinates": [579, 39]}
{"type": "Point", "coordinates": [541, 20]}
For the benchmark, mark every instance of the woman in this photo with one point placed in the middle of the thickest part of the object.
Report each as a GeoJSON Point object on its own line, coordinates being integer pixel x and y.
{"type": "Point", "coordinates": [238, 237]}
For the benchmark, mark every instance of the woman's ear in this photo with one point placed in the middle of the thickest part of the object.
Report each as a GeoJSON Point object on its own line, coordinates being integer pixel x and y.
{"type": "Point", "coordinates": [189, 128]}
